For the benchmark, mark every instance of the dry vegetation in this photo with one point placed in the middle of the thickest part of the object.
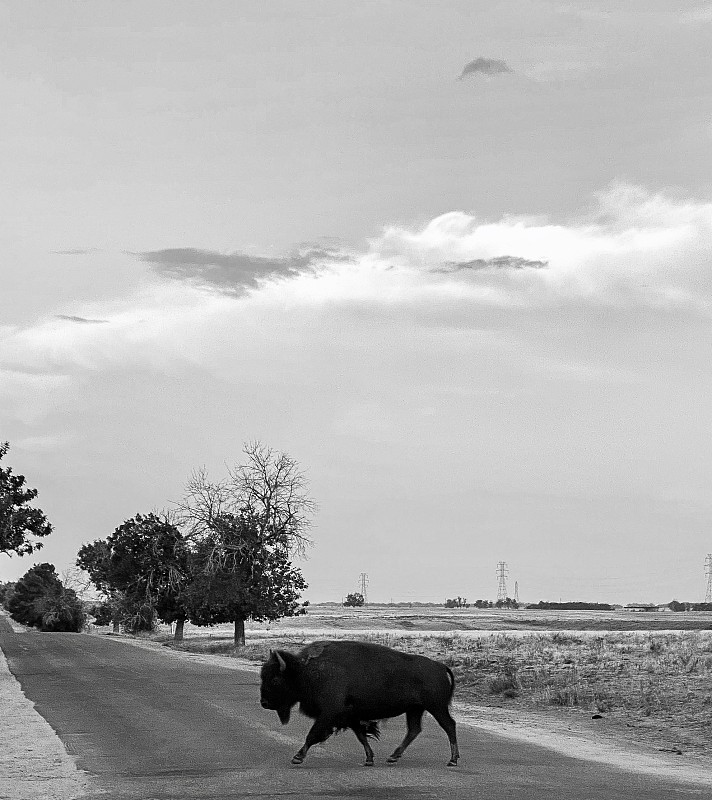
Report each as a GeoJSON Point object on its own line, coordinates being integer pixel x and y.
{"type": "Point", "coordinates": [656, 681]}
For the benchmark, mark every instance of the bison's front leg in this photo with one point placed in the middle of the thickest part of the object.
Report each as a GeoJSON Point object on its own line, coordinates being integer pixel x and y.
{"type": "Point", "coordinates": [320, 731]}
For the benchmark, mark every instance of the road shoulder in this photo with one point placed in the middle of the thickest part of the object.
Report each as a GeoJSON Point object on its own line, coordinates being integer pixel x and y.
{"type": "Point", "coordinates": [34, 764]}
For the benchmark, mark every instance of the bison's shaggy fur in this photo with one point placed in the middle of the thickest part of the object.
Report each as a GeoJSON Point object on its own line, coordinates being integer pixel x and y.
{"type": "Point", "coordinates": [351, 685]}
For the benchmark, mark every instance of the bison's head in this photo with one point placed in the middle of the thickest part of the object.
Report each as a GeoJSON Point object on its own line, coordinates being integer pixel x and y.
{"type": "Point", "coordinates": [278, 690]}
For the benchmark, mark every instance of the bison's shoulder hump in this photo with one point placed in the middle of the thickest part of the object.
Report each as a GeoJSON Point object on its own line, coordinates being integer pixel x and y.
{"type": "Point", "coordinates": [312, 651]}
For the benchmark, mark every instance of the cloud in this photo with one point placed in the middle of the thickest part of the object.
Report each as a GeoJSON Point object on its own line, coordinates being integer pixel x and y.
{"type": "Point", "coordinates": [80, 320]}
{"type": "Point", "coordinates": [78, 252]}
{"type": "Point", "coordinates": [234, 272]}
{"type": "Point", "coordinates": [632, 252]}
{"type": "Point", "coordinates": [700, 14]}
{"type": "Point", "coordinates": [632, 248]}
{"type": "Point", "coordinates": [484, 66]}
{"type": "Point", "coordinates": [501, 262]}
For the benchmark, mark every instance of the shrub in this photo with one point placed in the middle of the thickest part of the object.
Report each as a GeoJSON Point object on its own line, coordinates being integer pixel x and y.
{"type": "Point", "coordinates": [506, 683]}
{"type": "Point", "coordinates": [39, 600]}
{"type": "Point", "coordinates": [63, 612]}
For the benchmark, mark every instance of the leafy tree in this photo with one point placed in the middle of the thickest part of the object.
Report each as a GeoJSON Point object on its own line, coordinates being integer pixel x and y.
{"type": "Point", "coordinates": [40, 600]}
{"type": "Point", "coordinates": [6, 590]}
{"type": "Point", "coordinates": [95, 559]}
{"type": "Point", "coordinates": [103, 613]}
{"type": "Point", "coordinates": [244, 532]}
{"type": "Point", "coordinates": [256, 580]}
{"type": "Point", "coordinates": [457, 602]}
{"type": "Point", "coordinates": [142, 569]}
{"type": "Point", "coordinates": [19, 522]}
{"type": "Point", "coordinates": [355, 599]}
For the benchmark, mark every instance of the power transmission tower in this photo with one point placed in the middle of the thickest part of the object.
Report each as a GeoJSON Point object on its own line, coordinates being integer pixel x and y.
{"type": "Point", "coordinates": [516, 591]}
{"type": "Point", "coordinates": [502, 573]}
{"type": "Point", "coordinates": [708, 574]}
{"type": "Point", "coordinates": [363, 583]}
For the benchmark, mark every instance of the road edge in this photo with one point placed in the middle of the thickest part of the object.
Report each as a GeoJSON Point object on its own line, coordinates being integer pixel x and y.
{"type": "Point", "coordinates": [34, 763]}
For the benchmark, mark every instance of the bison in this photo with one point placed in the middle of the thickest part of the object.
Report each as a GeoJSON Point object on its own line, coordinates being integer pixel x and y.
{"type": "Point", "coordinates": [352, 685]}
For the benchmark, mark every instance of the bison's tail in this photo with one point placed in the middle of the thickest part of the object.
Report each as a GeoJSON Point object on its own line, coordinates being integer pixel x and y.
{"type": "Point", "coordinates": [371, 729]}
{"type": "Point", "coordinates": [452, 684]}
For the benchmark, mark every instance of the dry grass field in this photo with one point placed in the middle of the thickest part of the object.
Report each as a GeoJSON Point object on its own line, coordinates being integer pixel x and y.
{"type": "Point", "coordinates": [649, 673]}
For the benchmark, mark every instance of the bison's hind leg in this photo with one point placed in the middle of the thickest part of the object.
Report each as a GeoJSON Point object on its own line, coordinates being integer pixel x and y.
{"type": "Point", "coordinates": [413, 718]}
{"type": "Point", "coordinates": [363, 731]}
{"type": "Point", "coordinates": [447, 723]}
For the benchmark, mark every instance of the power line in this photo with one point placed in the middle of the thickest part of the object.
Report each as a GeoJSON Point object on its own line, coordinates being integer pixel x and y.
{"type": "Point", "coordinates": [363, 583]}
{"type": "Point", "coordinates": [502, 573]}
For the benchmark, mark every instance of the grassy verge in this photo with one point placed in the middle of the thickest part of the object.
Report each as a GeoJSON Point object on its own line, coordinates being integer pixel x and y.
{"type": "Point", "coordinates": [653, 681]}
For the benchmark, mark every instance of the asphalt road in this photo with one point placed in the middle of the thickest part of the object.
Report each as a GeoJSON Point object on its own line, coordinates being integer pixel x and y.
{"type": "Point", "coordinates": [146, 724]}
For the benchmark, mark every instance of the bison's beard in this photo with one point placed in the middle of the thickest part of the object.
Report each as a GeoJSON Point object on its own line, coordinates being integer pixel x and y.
{"type": "Point", "coordinates": [284, 714]}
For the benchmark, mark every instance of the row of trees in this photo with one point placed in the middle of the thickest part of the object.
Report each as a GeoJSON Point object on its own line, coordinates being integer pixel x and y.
{"type": "Point", "coordinates": [461, 602]}
{"type": "Point", "coordinates": [676, 605]}
{"type": "Point", "coordinates": [573, 605]}
{"type": "Point", "coordinates": [225, 554]}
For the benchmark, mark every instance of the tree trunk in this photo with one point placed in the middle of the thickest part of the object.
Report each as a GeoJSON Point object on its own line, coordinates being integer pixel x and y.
{"type": "Point", "coordinates": [178, 637]}
{"type": "Point", "coordinates": [239, 632]}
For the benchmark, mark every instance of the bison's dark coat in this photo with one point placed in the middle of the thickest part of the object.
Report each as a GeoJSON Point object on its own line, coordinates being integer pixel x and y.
{"type": "Point", "coordinates": [352, 685]}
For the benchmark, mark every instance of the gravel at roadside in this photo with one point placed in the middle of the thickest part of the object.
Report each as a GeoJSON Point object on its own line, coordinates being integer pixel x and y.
{"type": "Point", "coordinates": [34, 764]}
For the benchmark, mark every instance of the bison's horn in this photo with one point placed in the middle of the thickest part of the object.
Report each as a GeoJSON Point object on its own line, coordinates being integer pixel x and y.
{"type": "Point", "coordinates": [282, 662]}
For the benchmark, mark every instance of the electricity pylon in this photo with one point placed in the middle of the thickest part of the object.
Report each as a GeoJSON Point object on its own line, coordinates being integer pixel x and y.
{"type": "Point", "coordinates": [502, 573]}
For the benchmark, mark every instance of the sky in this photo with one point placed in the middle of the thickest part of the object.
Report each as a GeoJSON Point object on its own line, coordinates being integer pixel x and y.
{"type": "Point", "coordinates": [454, 258]}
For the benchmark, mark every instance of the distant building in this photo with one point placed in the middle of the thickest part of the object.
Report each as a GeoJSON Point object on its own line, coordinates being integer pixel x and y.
{"type": "Point", "coordinates": [641, 607]}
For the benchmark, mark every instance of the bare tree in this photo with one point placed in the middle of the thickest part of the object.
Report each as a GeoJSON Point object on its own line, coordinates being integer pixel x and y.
{"type": "Point", "coordinates": [78, 580]}
{"type": "Point", "coordinates": [269, 487]}
{"type": "Point", "coordinates": [273, 488]}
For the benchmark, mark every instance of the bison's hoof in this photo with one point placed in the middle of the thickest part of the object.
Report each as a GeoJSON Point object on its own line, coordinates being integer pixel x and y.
{"type": "Point", "coordinates": [297, 760]}
{"type": "Point", "coordinates": [368, 763]}
{"type": "Point", "coordinates": [452, 763]}
{"type": "Point", "coordinates": [392, 760]}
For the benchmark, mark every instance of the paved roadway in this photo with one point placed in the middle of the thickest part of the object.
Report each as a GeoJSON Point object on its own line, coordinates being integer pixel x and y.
{"type": "Point", "coordinates": [146, 724]}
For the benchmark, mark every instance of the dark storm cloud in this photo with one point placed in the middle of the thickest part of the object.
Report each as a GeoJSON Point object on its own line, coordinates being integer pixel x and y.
{"type": "Point", "coordinates": [484, 66]}
{"type": "Point", "coordinates": [81, 320]}
{"type": "Point", "coordinates": [501, 262]}
{"type": "Point", "coordinates": [233, 271]}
